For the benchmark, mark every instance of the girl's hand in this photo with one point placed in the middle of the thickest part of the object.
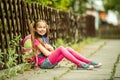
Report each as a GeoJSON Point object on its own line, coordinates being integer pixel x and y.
{"type": "Point", "coordinates": [49, 47]}
{"type": "Point", "coordinates": [36, 67]}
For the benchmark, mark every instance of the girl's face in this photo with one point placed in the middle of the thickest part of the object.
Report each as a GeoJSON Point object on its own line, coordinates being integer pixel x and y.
{"type": "Point", "coordinates": [41, 28]}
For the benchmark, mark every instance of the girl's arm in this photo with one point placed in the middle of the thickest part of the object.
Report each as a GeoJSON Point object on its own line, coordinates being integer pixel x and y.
{"type": "Point", "coordinates": [49, 47]}
{"type": "Point", "coordinates": [43, 50]}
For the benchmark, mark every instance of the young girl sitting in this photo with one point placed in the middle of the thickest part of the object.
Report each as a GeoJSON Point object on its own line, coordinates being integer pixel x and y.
{"type": "Point", "coordinates": [47, 57]}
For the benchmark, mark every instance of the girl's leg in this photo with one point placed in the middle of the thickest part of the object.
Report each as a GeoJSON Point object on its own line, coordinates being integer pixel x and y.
{"type": "Point", "coordinates": [78, 56]}
{"type": "Point", "coordinates": [64, 53]}
{"type": "Point", "coordinates": [82, 58]}
{"type": "Point", "coordinates": [59, 58]}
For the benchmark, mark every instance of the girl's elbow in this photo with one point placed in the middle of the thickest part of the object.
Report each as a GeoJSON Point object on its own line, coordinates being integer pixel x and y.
{"type": "Point", "coordinates": [47, 54]}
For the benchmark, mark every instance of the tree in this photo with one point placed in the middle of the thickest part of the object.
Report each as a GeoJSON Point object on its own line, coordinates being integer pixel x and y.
{"type": "Point", "coordinates": [79, 6]}
{"type": "Point", "coordinates": [59, 4]}
{"type": "Point", "coordinates": [76, 6]}
{"type": "Point", "coordinates": [112, 5]}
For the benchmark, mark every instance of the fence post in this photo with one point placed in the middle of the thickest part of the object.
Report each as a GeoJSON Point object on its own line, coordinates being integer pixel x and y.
{"type": "Point", "coordinates": [24, 22]}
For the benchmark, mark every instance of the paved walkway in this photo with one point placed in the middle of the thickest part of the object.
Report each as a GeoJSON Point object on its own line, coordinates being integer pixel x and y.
{"type": "Point", "coordinates": [105, 51]}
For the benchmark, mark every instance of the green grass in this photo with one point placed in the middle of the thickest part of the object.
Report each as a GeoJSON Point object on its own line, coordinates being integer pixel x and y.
{"type": "Point", "coordinates": [114, 68]}
{"type": "Point", "coordinates": [76, 46]}
{"type": "Point", "coordinates": [80, 45]}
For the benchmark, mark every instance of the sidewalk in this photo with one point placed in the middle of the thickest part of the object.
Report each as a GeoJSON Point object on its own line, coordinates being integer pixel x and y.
{"type": "Point", "coordinates": [104, 51]}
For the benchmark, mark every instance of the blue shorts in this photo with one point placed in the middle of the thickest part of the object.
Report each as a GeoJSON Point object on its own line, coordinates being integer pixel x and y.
{"type": "Point", "coordinates": [47, 65]}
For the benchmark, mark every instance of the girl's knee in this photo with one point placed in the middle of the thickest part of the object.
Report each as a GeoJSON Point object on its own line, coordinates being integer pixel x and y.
{"type": "Point", "coordinates": [68, 48]}
{"type": "Point", "coordinates": [61, 47]}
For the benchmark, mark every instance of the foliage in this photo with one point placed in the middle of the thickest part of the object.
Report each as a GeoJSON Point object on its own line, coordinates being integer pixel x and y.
{"type": "Point", "coordinates": [25, 66]}
{"type": "Point", "coordinates": [62, 4]}
{"type": "Point", "coordinates": [11, 57]}
{"type": "Point", "coordinates": [1, 59]}
{"type": "Point", "coordinates": [43, 2]}
{"type": "Point", "coordinates": [112, 5]}
{"type": "Point", "coordinates": [11, 63]}
{"type": "Point", "coordinates": [67, 5]}
{"type": "Point", "coordinates": [60, 42]}
{"type": "Point", "coordinates": [76, 46]}
{"type": "Point", "coordinates": [80, 45]}
{"type": "Point", "coordinates": [59, 4]}
{"type": "Point", "coordinates": [78, 6]}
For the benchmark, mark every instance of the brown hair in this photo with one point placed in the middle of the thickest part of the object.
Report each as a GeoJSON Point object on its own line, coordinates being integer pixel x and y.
{"type": "Point", "coordinates": [35, 26]}
{"type": "Point", "coordinates": [35, 35]}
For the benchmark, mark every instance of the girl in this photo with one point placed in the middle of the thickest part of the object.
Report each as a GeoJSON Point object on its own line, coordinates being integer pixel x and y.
{"type": "Point", "coordinates": [47, 57]}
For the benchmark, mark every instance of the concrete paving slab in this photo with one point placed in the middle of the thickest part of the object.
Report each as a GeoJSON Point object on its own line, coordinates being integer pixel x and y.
{"type": "Point", "coordinates": [117, 74]}
{"type": "Point", "coordinates": [107, 55]}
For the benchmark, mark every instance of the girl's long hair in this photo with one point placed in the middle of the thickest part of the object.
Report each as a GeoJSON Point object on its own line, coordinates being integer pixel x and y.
{"type": "Point", "coordinates": [35, 35]}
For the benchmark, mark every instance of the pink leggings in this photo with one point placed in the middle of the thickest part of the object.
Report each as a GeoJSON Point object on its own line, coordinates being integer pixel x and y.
{"type": "Point", "coordinates": [69, 54]}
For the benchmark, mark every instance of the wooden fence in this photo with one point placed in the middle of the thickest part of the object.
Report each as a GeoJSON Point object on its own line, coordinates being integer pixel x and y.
{"type": "Point", "coordinates": [16, 15]}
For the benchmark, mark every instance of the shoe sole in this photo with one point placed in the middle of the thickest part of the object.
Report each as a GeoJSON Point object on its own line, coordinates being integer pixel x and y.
{"type": "Point", "coordinates": [85, 68]}
{"type": "Point", "coordinates": [97, 66]}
